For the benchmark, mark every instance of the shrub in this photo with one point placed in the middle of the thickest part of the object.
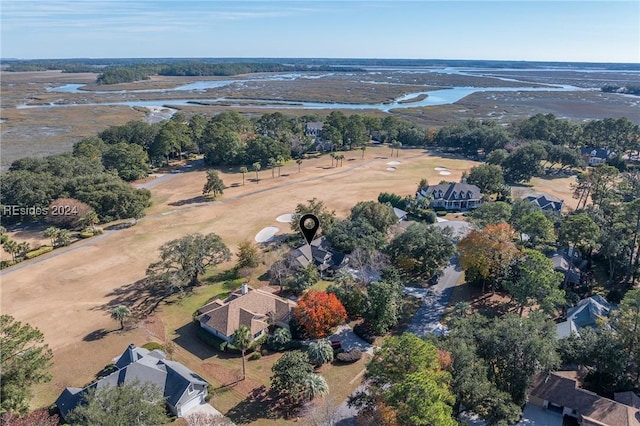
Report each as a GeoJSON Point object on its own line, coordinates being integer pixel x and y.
{"type": "Point", "coordinates": [441, 213]}
{"type": "Point", "coordinates": [108, 369]}
{"type": "Point", "coordinates": [254, 356]}
{"type": "Point", "coordinates": [38, 252]}
{"type": "Point", "coordinates": [264, 352]}
{"type": "Point", "coordinates": [211, 340]}
{"type": "Point", "coordinates": [85, 234]}
{"type": "Point", "coordinates": [348, 357]}
{"type": "Point", "coordinates": [152, 346]}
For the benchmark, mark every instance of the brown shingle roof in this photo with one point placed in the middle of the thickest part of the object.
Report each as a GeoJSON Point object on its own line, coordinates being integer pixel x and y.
{"type": "Point", "coordinates": [594, 409]}
{"type": "Point", "coordinates": [252, 310]}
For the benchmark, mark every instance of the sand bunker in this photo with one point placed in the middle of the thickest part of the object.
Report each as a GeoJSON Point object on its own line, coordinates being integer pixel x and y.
{"type": "Point", "coordinates": [391, 169]}
{"type": "Point", "coordinates": [266, 234]}
{"type": "Point", "coordinates": [393, 163]}
{"type": "Point", "coordinates": [445, 173]}
{"type": "Point", "coordinates": [438, 169]}
{"type": "Point", "coordinates": [285, 218]}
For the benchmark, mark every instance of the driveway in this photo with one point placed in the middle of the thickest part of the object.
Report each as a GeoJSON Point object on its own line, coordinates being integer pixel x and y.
{"type": "Point", "coordinates": [348, 339]}
{"type": "Point", "coordinates": [532, 415]}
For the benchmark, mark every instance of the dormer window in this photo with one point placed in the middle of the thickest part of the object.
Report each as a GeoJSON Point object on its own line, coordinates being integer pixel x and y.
{"type": "Point", "coordinates": [191, 388]}
{"type": "Point", "coordinates": [454, 195]}
{"type": "Point", "coordinates": [469, 194]}
{"type": "Point", "coordinates": [439, 193]}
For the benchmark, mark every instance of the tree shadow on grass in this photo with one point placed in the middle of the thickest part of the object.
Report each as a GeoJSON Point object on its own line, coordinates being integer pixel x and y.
{"type": "Point", "coordinates": [95, 335]}
{"type": "Point", "coordinates": [187, 338]}
{"type": "Point", "coordinates": [256, 406]}
{"type": "Point", "coordinates": [194, 200]}
{"type": "Point", "coordinates": [141, 297]}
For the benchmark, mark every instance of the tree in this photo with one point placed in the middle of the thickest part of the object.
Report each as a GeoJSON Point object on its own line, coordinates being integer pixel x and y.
{"type": "Point", "coordinates": [491, 214]}
{"type": "Point", "coordinates": [537, 227]}
{"type": "Point", "coordinates": [280, 338]}
{"type": "Point", "coordinates": [299, 163]}
{"type": "Point", "coordinates": [422, 249]}
{"type": "Point", "coordinates": [243, 170]}
{"type": "Point", "coordinates": [368, 264]}
{"type": "Point", "coordinates": [514, 348]}
{"type": "Point", "coordinates": [304, 278]}
{"type": "Point", "coordinates": [350, 293]}
{"type": "Point", "coordinates": [382, 306]}
{"type": "Point", "coordinates": [280, 273]}
{"type": "Point", "coordinates": [11, 247]}
{"type": "Point", "coordinates": [24, 361]}
{"type": "Point", "coordinates": [63, 238]}
{"type": "Point", "coordinates": [317, 208]}
{"type": "Point", "coordinates": [318, 312]}
{"type": "Point", "coordinates": [315, 385]}
{"type": "Point", "coordinates": [524, 163]}
{"type": "Point", "coordinates": [214, 184]}
{"type": "Point", "coordinates": [487, 177]}
{"type": "Point", "coordinates": [363, 148]}
{"type": "Point", "coordinates": [320, 352]}
{"type": "Point", "coordinates": [288, 379]}
{"type": "Point", "coordinates": [533, 279]}
{"type": "Point", "coordinates": [380, 216]}
{"type": "Point", "coordinates": [130, 161]}
{"type": "Point", "coordinates": [601, 353]}
{"type": "Point", "coordinates": [184, 259]}
{"type": "Point", "coordinates": [241, 339]}
{"type": "Point", "coordinates": [627, 322]}
{"type": "Point", "coordinates": [130, 403]}
{"type": "Point", "coordinates": [67, 212]}
{"type": "Point", "coordinates": [405, 375]}
{"type": "Point", "coordinates": [248, 256]}
{"type": "Point", "coordinates": [120, 313]}
{"type": "Point", "coordinates": [472, 388]}
{"type": "Point", "coordinates": [90, 219]}
{"type": "Point", "coordinates": [579, 230]}
{"type": "Point", "coordinates": [256, 168]}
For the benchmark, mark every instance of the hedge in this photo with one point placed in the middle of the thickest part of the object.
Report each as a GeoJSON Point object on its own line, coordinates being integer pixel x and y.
{"type": "Point", "coordinates": [152, 346]}
{"type": "Point", "coordinates": [364, 332]}
{"type": "Point", "coordinates": [211, 340]}
{"type": "Point", "coordinates": [352, 356]}
{"type": "Point", "coordinates": [38, 252]}
{"type": "Point", "coordinates": [254, 356]}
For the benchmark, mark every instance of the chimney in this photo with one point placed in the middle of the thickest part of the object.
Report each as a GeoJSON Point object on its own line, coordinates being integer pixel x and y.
{"type": "Point", "coordinates": [245, 288]}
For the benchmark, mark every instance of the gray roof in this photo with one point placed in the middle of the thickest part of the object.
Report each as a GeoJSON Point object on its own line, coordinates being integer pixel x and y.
{"type": "Point", "coordinates": [320, 253]}
{"type": "Point", "coordinates": [593, 152]}
{"type": "Point", "coordinates": [546, 202]}
{"type": "Point", "coordinates": [589, 310]}
{"type": "Point", "coordinates": [449, 191]}
{"type": "Point", "coordinates": [146, 367]}
{"type": "Point", "coordinates": [315, 125]}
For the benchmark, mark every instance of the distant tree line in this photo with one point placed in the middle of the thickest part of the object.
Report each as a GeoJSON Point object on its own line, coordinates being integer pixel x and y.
{"type": "Point", "coordinates": [130, 73]}
{"type": "Point", "coordinates": [626, 90]}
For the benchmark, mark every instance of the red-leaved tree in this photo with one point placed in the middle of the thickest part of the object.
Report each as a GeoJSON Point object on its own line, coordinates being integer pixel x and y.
{"type": "Point", "coordinates": [318, 312]}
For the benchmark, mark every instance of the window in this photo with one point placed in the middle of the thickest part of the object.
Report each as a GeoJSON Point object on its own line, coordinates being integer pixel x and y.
{"type": "Point", "coordinates": [191, 388]}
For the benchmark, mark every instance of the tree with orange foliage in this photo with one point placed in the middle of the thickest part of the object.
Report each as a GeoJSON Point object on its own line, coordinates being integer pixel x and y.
{"type": "Point", "coordinates": [318, 312]}
{"type": "Point", "coordinates": [485, 255]}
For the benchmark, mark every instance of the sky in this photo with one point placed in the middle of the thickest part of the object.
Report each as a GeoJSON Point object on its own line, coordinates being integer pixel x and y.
{"type": "Point", "coordinates": [539, 30]}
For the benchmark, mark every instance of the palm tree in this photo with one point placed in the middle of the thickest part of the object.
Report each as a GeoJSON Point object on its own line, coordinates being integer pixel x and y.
{"type": "Point", "coordinates": [279, 163]}
{"type": "Point", "coordinates": [243, 170]}
{"type": "Point", "coordinates": [272, 165]}
{"type": "Point", "coordinates": [281, 336]}
{"type": "Point", "coordinates": [242, 340]}
{"type": "Point", "coordinates": [363, 148]}
{"type": "Point", "coordinates": [315, 385]}
{"type": "Point", "coordinates": [52, 233]}
{"type": "Point", "coordinates": [299, 163]}
{"type": "Point", "coordinates": [320, 352]}
{"type": "Point", "coordinates": [64, 237]}
{"type": "Point", "coordinates": [256, 168]}
{"type": "Point", "coordinates": [91, 219]}
{"type": "Point", "coordinates": [120, 313]}
{"type": "Point", "coordinates": [11, 247]}
{"type": "Point", "coordinates": [23, 248]}
{"type": "Point", "coordinates": [333, 156]}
